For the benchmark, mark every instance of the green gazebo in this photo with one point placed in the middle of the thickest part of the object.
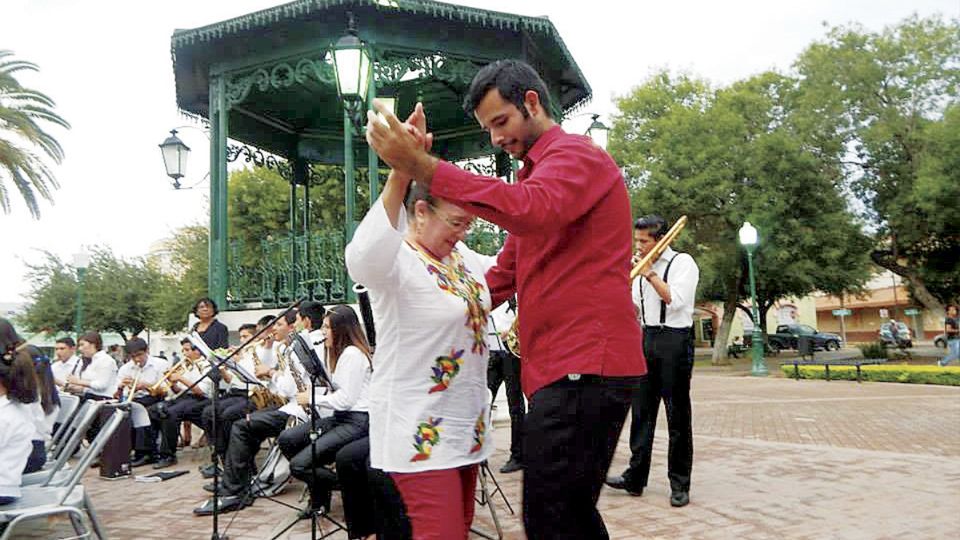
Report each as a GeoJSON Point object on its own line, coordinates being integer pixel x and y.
{"type": "Point", "coordinates": [269, 82]}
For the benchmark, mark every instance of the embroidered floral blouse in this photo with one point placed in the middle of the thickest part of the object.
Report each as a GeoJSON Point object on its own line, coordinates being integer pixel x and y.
{"type": "Point", "coordinates": [429, 405]}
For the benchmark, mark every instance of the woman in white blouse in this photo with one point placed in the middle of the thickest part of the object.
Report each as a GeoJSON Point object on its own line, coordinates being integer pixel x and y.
{"type": "Point", "coordinates": [96, 374]}
{"type": "Point", "coordinates": [344, 410]}
{"type": "Point", "coordinates": [429, 410]}
{"type": "Point", "coordinates": [18, 391]}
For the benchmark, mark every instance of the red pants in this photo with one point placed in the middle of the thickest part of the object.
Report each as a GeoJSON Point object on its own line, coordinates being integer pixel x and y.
{"type": "Point", "coordinates": [439, 503]}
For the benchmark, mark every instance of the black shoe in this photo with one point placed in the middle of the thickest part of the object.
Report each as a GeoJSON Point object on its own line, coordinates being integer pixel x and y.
{"type": "Point", "coordinates": [163, 463]}
{"type": "Point", "coordinates": [143, 460]}
{"type": "Point", "coordinates": [512, 465]}
{"type": "Point", "coordinates": [229, 503]}
{"type": "Point", "coordinates": [207, 471]}
{"type": "Point", "coordinates": [618, 482]}
{"type": "Point", "coordinates": [679, 498]}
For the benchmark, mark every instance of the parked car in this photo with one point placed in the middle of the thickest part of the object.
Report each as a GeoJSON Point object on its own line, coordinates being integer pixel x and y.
{"type": "Point", "coordinates": [940, 341]}
{"type": "Point", "coordinates": [788, 336]}
{"type": "Point", "coordinates": [904, 339]}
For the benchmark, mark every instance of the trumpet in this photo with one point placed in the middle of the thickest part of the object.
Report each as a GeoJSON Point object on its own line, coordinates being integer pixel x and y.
{"type": "Point", "coordinates": [133, 386]}
{"type": "Point", "coordinates": [162, 387]}
{"type": "Point", "coordinates": [659, 248]}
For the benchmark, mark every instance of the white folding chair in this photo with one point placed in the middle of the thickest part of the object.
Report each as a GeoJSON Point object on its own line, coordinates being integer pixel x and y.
{"type": "Point", "coordinates": [69, 413]}
{"type": "Point", "coordinates": [57, 472]}
{"type": "Point", "coordinates": [70, 499]}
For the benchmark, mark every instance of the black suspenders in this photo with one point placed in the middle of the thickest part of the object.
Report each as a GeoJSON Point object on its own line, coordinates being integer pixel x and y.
{"type": "Point", "coordinates": [663, 305]}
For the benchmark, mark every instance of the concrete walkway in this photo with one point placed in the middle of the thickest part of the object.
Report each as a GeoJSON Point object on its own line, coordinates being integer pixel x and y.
{"type": "Point", "coordinates": [774, 458]}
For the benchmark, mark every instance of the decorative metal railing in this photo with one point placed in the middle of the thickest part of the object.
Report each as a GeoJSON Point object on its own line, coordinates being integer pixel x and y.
{"type": "Point", "coordinates": [287, 268]}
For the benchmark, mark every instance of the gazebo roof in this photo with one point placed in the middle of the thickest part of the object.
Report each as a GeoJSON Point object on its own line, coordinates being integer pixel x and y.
{"type": "Point", "coordinates": [279, 80]}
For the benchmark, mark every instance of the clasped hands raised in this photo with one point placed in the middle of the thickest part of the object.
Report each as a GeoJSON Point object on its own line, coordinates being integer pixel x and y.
{"type": "Point", "coordinates": [405, 145]}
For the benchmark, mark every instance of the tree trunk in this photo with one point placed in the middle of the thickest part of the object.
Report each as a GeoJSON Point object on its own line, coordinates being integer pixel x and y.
{"type": "Point", "coordinates": [923, 296]}
{"type": "Point", "coordinates": [723, 333]}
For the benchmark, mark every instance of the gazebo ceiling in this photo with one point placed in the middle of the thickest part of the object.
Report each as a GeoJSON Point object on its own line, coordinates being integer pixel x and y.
{"type": "Point", "coordinates": [279, 81]}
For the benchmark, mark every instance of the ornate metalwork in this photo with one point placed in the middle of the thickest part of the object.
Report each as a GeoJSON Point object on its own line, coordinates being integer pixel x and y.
{"type": "Point", "coordinates": [280, 75]}
{"type": "Point", "coordinates": [390, 70]}
{"type": "Point", "coordinates": [259, 158]}
{"type": "Point", "coordinates": [486, 166]}
{"type": "Point", "coordinates": [274, 280]}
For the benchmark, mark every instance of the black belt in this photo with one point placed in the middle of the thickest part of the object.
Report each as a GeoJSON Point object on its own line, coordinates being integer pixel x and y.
{"type": "Point", "coordinates": [667, 329]}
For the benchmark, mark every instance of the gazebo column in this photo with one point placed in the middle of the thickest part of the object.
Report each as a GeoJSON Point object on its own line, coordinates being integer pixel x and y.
{"type": "Point", "coordinates": [301, 175]}
{"type": "Point", "coordinates": [373, 161]}
{"type": "Point", "coordinates": [350, 188]}
{"type": "Point", "coordinates": [217, 273]}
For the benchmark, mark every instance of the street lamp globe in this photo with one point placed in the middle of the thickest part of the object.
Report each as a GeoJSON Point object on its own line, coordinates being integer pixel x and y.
{"type": "Point", "coordinates": [175, 155]}
{"type": "Point", "coordinates": [81, 260]}
{"type": "Point", "coordinates": [748, 235]}
{"type": "Point", "coordinates": [351, 64]}
{"type": "Point", "coordinates": [599, 132]}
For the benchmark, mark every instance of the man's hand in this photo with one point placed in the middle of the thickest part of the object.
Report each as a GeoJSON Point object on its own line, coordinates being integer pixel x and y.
{"type": "Point", "coordinates": [399, 145]}
{"type": "Point", "coordinates": [74, 380]}
{"type": "Point", "coordinates": [262, 372]}
{"type": "Point", "coordinates": [303, 399]}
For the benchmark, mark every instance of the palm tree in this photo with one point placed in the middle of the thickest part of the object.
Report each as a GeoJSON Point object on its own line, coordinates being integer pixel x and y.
{"type": "Point", "coordinates": [21, 110]}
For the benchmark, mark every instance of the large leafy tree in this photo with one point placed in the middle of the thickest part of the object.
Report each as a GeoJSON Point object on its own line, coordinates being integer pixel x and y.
{"type": "Point", "coordinates": [887, 102]}
{"type": "Point", "coordinates": [183, 278]}
{"type": "Point", "coordinates": [726, 156]}
{"type": "Point", "coordinates": [23, 113]}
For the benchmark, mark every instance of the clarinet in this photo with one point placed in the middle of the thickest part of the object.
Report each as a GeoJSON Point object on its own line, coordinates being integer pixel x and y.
{"type": "Point", "coordinates": [366, 313]}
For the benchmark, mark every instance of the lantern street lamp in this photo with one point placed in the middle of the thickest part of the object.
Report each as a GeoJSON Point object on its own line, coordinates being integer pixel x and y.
{"type": "Point", "coordinates": [175, 155]}
{"type": "Point", "coordinates": [598, 131]}
{"type": "Point", "coordinates": [353, 70]}
{"type": "Point", "coordinates": [81, 261]}
{"type": "Point", "coordinates": [748, 239]}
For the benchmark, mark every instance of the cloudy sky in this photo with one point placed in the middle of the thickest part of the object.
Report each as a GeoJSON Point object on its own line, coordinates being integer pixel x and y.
{"type": "Point", "coordinates": [107, 64]}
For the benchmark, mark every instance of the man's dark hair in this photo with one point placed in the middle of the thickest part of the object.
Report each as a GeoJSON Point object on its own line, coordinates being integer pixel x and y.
{"type": "Point", "coordinates": [512, 78]}
{"type": "Point", "coordinates": [185, 341]}
{"type": "Point", "coordinates": [948, 306]}
{"type": "Point", "coordinates": [135, 345]}
{"type": "Point", "coordinates": [291, 316]}
{"type": "Point", "coordinates": [314, 311]}
{"type": "Point", "coordinates": [250, 327]}
{"type": "Point", "coordinates": [209, 302]}
{"type": "Point", "coordinates": [265, 321]}
{"type": "Point", "coordinates": [68, 341]}
{"type": "Point", "coordinates": [655, 225]}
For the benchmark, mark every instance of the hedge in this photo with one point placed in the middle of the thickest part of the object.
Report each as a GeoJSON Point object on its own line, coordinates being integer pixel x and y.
{"type": "Point", "coordinates": [902, 373]}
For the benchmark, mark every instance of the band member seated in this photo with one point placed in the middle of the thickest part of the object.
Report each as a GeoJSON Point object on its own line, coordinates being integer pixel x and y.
{"type": "Point", "coordinates": [234, 403]}
{"type": "Point", "coordinates": [95, 376]}
{"type": "Point", "coordinates": [66, 359]}
{"type": "Point", "coordinates": [136, 377]}
{"type": "Point", "coordinates": [285, 379]}
{"type": "Point", "coordinates": [348, 357]}
{"type": "Point", "coordinates": [18, 391]}
{"type": "Point", "coordinates": [177, 408]}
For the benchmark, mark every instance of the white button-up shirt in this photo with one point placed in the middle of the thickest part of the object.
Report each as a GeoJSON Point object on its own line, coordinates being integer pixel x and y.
{"type": "Point", "coordinates": [63, 369]}
{"type": "Point", "coordinates": [101, 375]}
{"type": "Point", "coordinates": [16, 431]}
{"type": "Point", "coordinates": [682, 280]}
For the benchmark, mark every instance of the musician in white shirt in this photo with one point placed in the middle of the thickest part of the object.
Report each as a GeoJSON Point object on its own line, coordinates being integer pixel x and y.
{"type": "Point", "coordinates": [665, 293]}
{"type": "Point", "coordinates": [285, 378]}
{"type": "Point", "coordinates": [65, 352]}
{"type": "Point", "coordinates": [137, 376]}
{"type": "Point", "coordinates": [188, 405]}
{"type": "Point", "coordinates": [16, 424]}
{"type": "Point", "coordinates": [348, 357]}
{"type": "Point", "coordinates": [96, 373]}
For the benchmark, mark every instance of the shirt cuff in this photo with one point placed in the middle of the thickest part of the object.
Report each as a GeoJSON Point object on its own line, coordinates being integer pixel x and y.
{"type": "Point", "coordinates": [445, 181]}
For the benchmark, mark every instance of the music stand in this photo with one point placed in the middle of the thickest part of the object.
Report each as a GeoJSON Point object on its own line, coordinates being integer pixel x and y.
{"type": "Point", "coordinates": [213, 373]}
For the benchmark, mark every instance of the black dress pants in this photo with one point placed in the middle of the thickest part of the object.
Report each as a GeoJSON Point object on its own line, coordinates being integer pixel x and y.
{"type": "Point", "coordinates": [504, 367]}
{"type": "Point", "coordinates": [246, 436]}
{"type": "Point", "coordinates": [229, 409]}
{"type": "Point", "coordinates": [308, 464]}
{"type": "Point", "coordinates": [145, 438]}
{"type": "Point", "coordinates": [571, 433]}
{"type": "Point", "coordinates": [185, 408]}
{"type": "Point", "coordinates": [669, 353]}
{"type": "Point", "coordinates": [371, 501]}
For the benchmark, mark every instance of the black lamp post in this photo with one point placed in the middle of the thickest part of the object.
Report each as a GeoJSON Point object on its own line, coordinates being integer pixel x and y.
{"type": "Point", "coordinates": [353, 70]}
{"type": "Point", "coordinates": [175, 155]}
{"type": "Point", "coordinates": [598, 131]}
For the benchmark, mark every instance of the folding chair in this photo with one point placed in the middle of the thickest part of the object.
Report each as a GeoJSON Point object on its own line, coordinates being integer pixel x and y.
{"type": "Point", "coordinates": [57, 473]}
{"type": "Point", "coordinates": [70, 409]}
{"type": "Point", "coordinates": [70, 499]}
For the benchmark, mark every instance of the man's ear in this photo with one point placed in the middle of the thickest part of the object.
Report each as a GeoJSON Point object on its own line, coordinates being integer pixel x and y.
{"type": "Point", "coordinates": [531, 100]}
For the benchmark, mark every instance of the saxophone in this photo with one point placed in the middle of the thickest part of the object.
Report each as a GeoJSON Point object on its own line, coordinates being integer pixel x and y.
{"type": "Point", "coordinates": [261, 396]}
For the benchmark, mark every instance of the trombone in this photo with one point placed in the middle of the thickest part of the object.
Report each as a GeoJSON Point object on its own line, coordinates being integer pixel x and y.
{"type": "Point", "coordinates": [659, 248]}
{"type": "Point", "coordinates": [162, 387]}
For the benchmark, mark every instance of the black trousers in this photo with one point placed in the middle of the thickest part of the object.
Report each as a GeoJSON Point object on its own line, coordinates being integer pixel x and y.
{"type": "Point", "coordinates": [229, 409]}
{"type": "Point", "coordinates": [145, 438]}
{"type": "Point", "coordinates": [246, 436]}
{"type": "Point", "coordinates": [669, 353]}
{"type": "Point", "coordinates": [571, 433]}
{"type": "Point", "coordinates": [308, 464]}
{"type": "Point", "coordinates": [186, 408]}
{"type": "Point", "coordinates": [371, 501]}
{"type": "Point", "coordinates": [504, 367]}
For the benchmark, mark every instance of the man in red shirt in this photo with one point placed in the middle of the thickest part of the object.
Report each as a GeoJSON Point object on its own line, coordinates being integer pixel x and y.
{"type": "Point", "coordinates": [568, 259]}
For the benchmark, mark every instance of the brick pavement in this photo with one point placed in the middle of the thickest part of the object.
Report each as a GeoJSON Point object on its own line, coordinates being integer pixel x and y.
{"type": "Point", "coordinates": [775, 458]}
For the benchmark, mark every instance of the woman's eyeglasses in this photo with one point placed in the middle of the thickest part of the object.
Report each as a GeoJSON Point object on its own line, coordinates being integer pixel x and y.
{"type": "Point", "coordinates": [458, 225]}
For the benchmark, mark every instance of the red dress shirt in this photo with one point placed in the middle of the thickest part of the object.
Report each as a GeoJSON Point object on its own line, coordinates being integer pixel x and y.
{"type": "Point", "coordinates": [567, 257]}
